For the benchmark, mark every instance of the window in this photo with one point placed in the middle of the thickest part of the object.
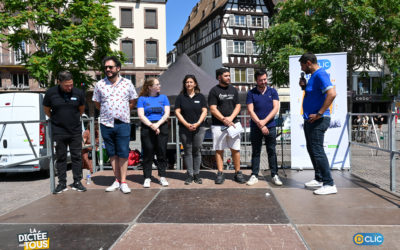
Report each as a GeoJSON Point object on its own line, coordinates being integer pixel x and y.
{"type": "Point", "coordinates": [369, 85]}
{"type": "Point", "coordinates": [151, 52]}
{"type": "Point", "coordinates": [376, 85]}
{"type": "Point", "coordinates": [19, 52]}
{"type": "Point", "coordinates": [130, 77]}
{"type": "Point", "coordinates": [240, 21]}
{"type": "Point", "coordinates": [256, 49]}
{"type": "Point", "coordinates": [150, 19]}
{"type": "Point", "coordinates": [214, 24]}
{"type": "Point", "coordinates": [238, 47]}
{"type": "Point", "coordinates": [217, 49]}
{"type": "Point", "coordinates": [127, 49]}
{"type": "Point", "coordinates": [256, 21]}
{"type": "Point", "coordinates": [126, 18]}
{"type": "Point", "coordinates": [204, 31]}
{"type": "Point", "coordinates": [198, 59]}
{"type": "Point", "coordinates": [20, 80]}
{"type": "Point", "coordinates": [250, 75]}
{"type": "Point", "coordinates": [192, 39]}
{"type": "Point", "coordinates": [363, 85]}
{"type": "Point", "coordinates": [240, 75]}
{"type": "Point", "coordinates": [186, 44]}
{"type": "Point", "coordinates": [198, 34]}
{"type": "Point", "coordinates": [374, 58]}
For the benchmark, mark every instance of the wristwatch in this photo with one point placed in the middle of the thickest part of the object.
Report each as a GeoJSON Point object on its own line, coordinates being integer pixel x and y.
{"type": "Point", "coordinates": [320, 114]}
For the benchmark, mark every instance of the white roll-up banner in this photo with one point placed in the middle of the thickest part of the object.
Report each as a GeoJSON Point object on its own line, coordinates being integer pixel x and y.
{"type": "Point", "coordinates": [336, 144]}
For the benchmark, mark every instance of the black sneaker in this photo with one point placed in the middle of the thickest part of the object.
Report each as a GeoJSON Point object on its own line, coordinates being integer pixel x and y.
{"type": "Point", "coordinates": [189, 180]}
{"type": "Point", "coordinates": [197, 179]}
{"type": "Point", "coordinates": [220, 178]}
{"type": "Point", "coordinates": [239, 177]}
{"type": "Point", "coordinates": [78, 187]}
{"type": "Point", "coordinates": [60, 188]}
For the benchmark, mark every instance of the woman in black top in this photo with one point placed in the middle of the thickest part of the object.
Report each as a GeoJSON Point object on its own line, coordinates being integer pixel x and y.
{"type": "Point", "coordinates": [191, 110]}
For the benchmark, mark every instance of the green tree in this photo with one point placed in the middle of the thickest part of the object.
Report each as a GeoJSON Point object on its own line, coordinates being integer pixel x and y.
{"type": "Point", "coordinates": [61, 34]}
{"type": "Point", "coordinates": [360, 28]}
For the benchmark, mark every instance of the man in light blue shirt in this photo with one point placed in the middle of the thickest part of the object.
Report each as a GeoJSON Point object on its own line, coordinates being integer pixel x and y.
{"type": "Point", "coordinates": [319, 95]}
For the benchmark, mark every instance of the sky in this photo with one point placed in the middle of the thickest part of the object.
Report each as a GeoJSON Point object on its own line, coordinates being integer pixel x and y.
{"type": "Point", "coordinates": [177, 15]}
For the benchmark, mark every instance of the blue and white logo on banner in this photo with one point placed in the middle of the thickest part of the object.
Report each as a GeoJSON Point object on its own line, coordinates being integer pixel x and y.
{"type": "Point", "coordinates": [324, 63]}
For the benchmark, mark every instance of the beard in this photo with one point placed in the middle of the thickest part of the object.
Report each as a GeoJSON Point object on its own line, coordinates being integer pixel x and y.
{"type": "Point", "coordinates": [262, 86]}
{"type": "Point", "coordinates": [224, 82]}
{"type": "Point", "coordinates": [113, 75]}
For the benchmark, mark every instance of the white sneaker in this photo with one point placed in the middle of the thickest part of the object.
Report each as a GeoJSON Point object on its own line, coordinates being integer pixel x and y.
{"type": "Point", "coordinates": [163, 182]}
{"type": "Point", "coordinates": [113, 187]}
{"type": "Point", "coordinates": [146, 183]}
{"type": "Point", "coordinates": [326, 189]}
{"type": "Point", "coordinates": [125, 189]}
{"type": "Point", "coordinates": [253, 180]}
{"type": "Point", "coordinates": [276, 180]}
{"type": "Point", "coordinates": [313, 184]}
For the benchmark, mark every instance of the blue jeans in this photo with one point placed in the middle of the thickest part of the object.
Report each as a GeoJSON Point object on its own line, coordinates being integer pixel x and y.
{"type": "Point", "coordinates": [256, 137]}
{"type": "Point", "coordinates": [315, 133]}
{"type": "Point", "coordinates": [116, 139]}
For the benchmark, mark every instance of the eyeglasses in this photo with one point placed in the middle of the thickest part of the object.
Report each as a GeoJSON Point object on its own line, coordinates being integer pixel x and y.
{"type": "Point", "coordinates": [109, 67]}
{"type": "Point", "coordinates": [156, 85]}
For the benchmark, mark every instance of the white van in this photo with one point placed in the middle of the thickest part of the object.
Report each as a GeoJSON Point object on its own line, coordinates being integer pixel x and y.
{"type": "Point", "coordinates": [14, 144]}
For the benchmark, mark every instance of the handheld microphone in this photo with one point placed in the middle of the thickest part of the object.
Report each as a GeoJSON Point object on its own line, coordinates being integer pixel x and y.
{"type": "Point", "coordinates": [303, 81]}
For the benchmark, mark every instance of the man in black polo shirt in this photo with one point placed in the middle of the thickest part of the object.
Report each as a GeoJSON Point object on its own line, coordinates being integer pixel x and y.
{"type": "Point", "coordinates": [65, 104]}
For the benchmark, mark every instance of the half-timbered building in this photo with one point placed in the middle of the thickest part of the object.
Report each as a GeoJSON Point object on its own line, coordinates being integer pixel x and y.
{"type": "Point", "coordinates": [220, 33]}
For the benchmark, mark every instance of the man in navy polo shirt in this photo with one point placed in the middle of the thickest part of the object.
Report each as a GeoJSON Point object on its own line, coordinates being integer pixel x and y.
{"type": "Point", "coordinates": [319, 95]}
{"type": "Point", "coordinates": [263, 104]}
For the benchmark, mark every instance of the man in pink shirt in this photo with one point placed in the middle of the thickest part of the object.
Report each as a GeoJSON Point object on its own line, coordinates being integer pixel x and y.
{"type": "Point", "coordinates": [114, 96]}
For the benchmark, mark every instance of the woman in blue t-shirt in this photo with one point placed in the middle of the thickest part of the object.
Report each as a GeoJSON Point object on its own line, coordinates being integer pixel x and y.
{"type": "Point", "coordinates": [153, 112]}
{"type": "Point", "coordinates": [191, 110]}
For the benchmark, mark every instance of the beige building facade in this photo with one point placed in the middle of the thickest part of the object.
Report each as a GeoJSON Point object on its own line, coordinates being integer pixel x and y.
{"type": "Point", "coordinates": [143, 39]}
{"type": "Point", "coordinates": [143, 42]}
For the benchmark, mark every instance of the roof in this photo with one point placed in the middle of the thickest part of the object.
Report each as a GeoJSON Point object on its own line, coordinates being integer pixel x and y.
{"type": "Point", "coordinates": [196, 16]}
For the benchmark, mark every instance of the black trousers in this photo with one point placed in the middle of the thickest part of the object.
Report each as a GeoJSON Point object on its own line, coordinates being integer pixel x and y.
{"type": "Point", "coordinates": [153, 144]}
{"type": "Point", "coordinates": [74, 142]}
